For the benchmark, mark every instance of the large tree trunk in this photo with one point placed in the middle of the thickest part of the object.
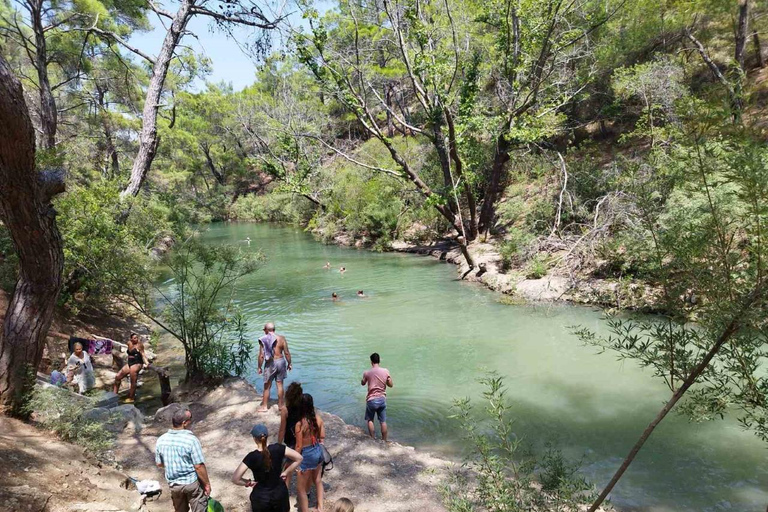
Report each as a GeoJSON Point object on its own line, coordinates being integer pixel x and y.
{"type": "Point", "coordinates": [741, 33]}
{"type": "Point", "coordinates": [27, 213]}
{"type": "Point", "coordinates": [148, 139]}
{"type": "Point", "coordinates": [760, 60]}
{"type": "Point", "coordinates": [493, 188]}
{"type": "Point", "coordinates": [48, 111]}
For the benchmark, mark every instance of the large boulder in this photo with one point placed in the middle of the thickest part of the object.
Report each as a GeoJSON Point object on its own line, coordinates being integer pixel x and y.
{"type": "Point", "coordinates": [116, 419]}
{"type": "Point", "coordinates": [164, 415]}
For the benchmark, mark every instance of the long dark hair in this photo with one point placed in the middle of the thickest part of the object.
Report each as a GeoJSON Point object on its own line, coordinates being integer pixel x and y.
{"type": "Point", "coordinates": [293, 397]}
{"type": "Point", "coordinates": [265, 455]}
{"type": "Point", "coordinates": [308, 413]}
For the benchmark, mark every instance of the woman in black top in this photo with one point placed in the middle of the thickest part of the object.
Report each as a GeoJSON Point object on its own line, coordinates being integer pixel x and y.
{"type": "Point", "coordinates": [290, 415]}
{"type": "Point", "coordinates": [136, 359]}
{"type": "Point", "coordinates": [270, 493]}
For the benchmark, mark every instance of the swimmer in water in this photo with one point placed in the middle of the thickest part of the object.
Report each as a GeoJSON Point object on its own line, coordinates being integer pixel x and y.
{"type": "Point", "coordinates": [248, 240]}
{"type": "Point", "coordinates": [361, 294]}
{"type": "Point", "coordinates": [334, 297]}
{"type": "Point", "coordinates": [327, 265]}
{"type": "Point", "coordinates": [342, 270]}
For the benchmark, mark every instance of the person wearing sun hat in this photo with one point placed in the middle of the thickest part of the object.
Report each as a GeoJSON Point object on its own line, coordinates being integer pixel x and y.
{"type": "Point", "coordinates": [269, 494]}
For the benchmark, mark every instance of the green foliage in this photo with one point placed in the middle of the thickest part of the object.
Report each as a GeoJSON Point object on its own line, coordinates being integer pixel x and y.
{"type": "Point", "coordinates": [514, 247]}
{"type": "Point", "coordinates": [58, 411]}
{"type": "Point", "coordinates": [101, 253]}
{"type": "Point", "coordinates": [197, 308]}
{"type": "Point", "coordinates": [9, 265]}
{"type": "Point", "coordinates": [537, 267]}
{"type": "Point", "coordinates": [506, 479]}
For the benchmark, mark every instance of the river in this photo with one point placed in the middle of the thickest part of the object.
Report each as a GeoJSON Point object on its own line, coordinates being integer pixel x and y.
{"type": "Point", "coordinates": [438, 335]}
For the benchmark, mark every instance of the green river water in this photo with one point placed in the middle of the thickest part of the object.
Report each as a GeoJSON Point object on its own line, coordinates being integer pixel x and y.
{"type": "Point", "coordinates": [438, 335]}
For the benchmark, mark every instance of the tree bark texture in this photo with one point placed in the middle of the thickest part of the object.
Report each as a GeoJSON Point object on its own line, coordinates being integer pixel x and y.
{"type": "Point", "coordinates": [495, 184]}
{"type": "Point", "coordinates": [741, 33]}
{"type": "Point", "coordinates": [26, 211]}
{"type": "Point", "coordinates": [48, 110]}
{"type": "Point", "coordinates": [148, 138]}
{"type": "Point", "coordinates": [759, 59]}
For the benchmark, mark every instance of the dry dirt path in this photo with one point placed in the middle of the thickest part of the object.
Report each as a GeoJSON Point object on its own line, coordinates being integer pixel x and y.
{"type": "Point", "coordinates": [377, 477]}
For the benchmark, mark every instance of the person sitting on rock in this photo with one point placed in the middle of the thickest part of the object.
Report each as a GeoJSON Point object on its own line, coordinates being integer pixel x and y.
{"type": "Point", "coordinates": [136, 360]}
{"type": "Point", "coordinates": [80, 369]}
{"type": "Point", "coordinates": [270, 493]}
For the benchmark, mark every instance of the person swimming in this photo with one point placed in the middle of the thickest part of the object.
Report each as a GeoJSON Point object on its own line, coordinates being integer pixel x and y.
{"type": "Point", "coordinates": [248, 240]}
{"type": "Point", "coordinates": [342, 270]}
{"type": "Point", "coordinates": [327, 265]}
{"type": "Point", "coordinates": [334, 297]}
{"type": "Point", "coordinates": [361, 294]}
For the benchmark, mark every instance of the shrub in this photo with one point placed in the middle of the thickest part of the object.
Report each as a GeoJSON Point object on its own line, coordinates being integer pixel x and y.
{"type": "Point", "coordinates": [198, 309]}
{"type": "Point", "coordinates": [505, 478]}
{"type": "Point", "coordinates": [537, 268]}
{"type": "Point", "coordinates": [57, 410]}
{"type": "Point", "coordinates": [512, 249]}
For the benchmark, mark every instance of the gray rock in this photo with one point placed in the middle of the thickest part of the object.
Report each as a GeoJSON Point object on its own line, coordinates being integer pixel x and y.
{"type": "Point", "coordinates": [115, 419]}
{"type": "Point", "coordinates": [106, 399]}
{"type": "Point", "coordinates": [164, 415]}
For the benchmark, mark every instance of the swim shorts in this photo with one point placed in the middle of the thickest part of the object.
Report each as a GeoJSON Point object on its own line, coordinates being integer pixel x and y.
{"type": "Point", "coordinates": [376, 407]}
{"type": "Point", "coordinates": [275, 369]}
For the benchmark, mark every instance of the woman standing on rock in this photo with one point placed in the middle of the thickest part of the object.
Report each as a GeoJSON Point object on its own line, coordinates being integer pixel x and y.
{"type": "Point", "coordinates": [310, 434]}
{"type": "Point", "coordinates": [270, 493]}
{"type": "Point", "coordinates": [290, 415]}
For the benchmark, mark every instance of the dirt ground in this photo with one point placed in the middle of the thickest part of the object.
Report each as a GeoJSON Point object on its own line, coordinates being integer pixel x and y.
{"type": "Point", "coordinates": [376, 476]}
{"type": "Point", "coordinates": [39, 473]}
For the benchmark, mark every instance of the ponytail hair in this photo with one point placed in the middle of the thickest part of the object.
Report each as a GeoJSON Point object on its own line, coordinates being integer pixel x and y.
{"type": "Point", "coordinates": [265, 453]}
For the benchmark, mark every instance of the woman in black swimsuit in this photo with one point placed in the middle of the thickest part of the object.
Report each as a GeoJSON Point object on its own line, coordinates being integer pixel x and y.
{"type": "Point", "coordinates": [136, 359]}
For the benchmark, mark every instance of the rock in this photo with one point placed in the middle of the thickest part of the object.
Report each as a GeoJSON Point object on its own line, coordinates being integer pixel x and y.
{"type": "Point", "coordinates": [106, 399]}
{"type": "Point", "coordinates": [115, 419]}
{"type": "Point", "coordinates": [164, 415]}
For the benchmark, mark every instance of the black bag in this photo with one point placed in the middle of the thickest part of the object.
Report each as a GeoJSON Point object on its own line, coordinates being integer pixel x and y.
{"type": "Point", "coordinates": [327, 459]}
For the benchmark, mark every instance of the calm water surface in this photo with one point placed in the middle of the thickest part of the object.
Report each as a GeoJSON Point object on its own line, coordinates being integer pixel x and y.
{"type": "Point", "coordinates": [437, 336]}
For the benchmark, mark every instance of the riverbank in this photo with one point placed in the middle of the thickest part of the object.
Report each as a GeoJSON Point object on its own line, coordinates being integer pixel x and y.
{"type": "Point", "coordinates": [519, 286]}
{"type": "Point", "coordinates": [376, 476]}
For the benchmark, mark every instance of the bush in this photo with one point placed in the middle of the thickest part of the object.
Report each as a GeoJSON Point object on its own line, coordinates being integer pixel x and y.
{"type": "Point", "coordinates": [102, 254]}
{"type": "Point", "coordinates": [56, 410]}
{"type": "Point", "coordinates": [199, 312]}
{"type": "Point", "coordinates": [512, 249]}
{"type": "Point", "coordinates": [505, 479]}
{"type": "Point", "coordinates": [537, 268]}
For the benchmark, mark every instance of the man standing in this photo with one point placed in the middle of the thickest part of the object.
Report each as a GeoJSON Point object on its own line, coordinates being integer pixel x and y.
{"type": "Point", "coordinates": [178, 451]}
{"type": "Point", "coordinates": [276, 358]}
{"type": "Point", "coordinates": [378, 379]}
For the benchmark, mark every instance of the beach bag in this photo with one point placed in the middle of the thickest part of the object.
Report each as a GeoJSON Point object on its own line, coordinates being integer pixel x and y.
{"type": "Point", "coordinates": [214, 506]}
{"type": "Point", "coordinates": [327, 458]}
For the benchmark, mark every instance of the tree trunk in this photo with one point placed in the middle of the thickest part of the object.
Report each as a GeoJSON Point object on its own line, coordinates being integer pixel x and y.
{"type": "Point", "coordinates": [760, 60]}
{"type": "Point", "coordinates": [388, 89]}
{"type": "Point", "coordinates": [495, 183]}
{"type": "Point", "coordinates": [211, 166]}
{"type": "Point", "coordinates": [48, 111]}
{"type": "Point", "coordinates": [112, 168]}
{"type": "Point", "coordinates": [741, 33]}
{"type": "Point", "coordinates": [27, 213]}
{"type": "Point", "coordinates": [148, 139]}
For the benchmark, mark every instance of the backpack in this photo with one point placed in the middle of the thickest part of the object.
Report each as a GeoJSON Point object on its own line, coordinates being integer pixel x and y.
{"type": "Point", "coordinates": [327, 459]}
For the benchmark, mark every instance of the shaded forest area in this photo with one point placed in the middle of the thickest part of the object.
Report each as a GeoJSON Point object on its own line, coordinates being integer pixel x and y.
{"type": "Point", "coordinates": [605, 138]}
